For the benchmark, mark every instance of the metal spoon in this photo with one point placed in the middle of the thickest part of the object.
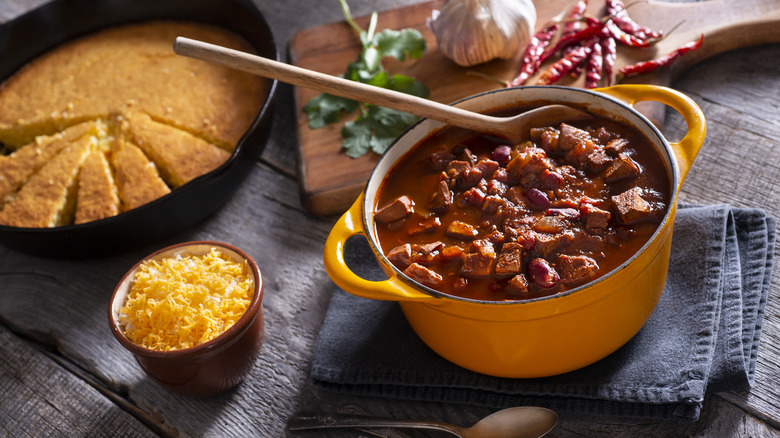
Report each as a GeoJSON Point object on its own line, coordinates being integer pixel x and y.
{"type": "Point", "coordinates": [518, 422]}
{"type": "Point", "coordinates": [514, 128]}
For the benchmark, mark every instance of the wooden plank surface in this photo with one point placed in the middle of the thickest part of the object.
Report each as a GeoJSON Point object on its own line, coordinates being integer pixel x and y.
{"type": "Point", "coordinates": [88, 379]}
{"type": "Point", "coordinates": [330, 180]}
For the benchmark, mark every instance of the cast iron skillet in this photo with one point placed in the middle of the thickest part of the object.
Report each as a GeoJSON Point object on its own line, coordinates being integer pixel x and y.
{"type": "Point", "coordinates": [42, 29]}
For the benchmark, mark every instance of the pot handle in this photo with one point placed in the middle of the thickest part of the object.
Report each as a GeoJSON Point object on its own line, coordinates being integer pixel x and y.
{"type": "Point", "coordinates": [392, 289]}
{"type": "Point", "coordinates": [686, 149]}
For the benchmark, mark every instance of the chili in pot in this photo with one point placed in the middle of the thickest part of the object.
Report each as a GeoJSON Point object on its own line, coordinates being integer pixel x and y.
{"type": "Point", "coordinates": [475, 217]}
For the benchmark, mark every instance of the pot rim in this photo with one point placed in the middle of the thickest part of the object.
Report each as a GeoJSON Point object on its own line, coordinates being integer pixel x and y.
{"type": "Point", "coordinates": [667, 155]}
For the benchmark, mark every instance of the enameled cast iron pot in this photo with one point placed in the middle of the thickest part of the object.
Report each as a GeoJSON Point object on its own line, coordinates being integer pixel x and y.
{"type": "Point", "coordinates": [543, 336]}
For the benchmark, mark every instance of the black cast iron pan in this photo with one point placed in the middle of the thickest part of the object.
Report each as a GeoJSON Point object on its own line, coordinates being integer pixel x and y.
{"type": "Point", "coordinates": [40, 30]}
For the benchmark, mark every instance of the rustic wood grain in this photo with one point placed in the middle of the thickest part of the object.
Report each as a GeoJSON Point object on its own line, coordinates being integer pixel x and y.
{"type": "Point", "coordinates": [88, 385]}
{"type": "Point", "coordinates": [331, 181]}
{"type": "Point", "coordinates": [56, 402]}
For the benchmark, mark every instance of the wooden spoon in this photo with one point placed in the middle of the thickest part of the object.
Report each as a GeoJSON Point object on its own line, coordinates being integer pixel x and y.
{"type": "Point", "coordinates": [514, 128]}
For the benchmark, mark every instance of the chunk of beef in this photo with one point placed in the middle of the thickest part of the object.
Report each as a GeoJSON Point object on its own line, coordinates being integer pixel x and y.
{"type": "Point", "coordinates": [486, 168]}
{"type": "Point", "coordinates": [474, 196]}
{"type": "Point", "coordinates": [623, 167]}
{"type": "Point", "coordinates": [423, 275]}
{"type": "Point", "coordinates": [441, 199]}
{"type": "Point", "coordinates": [424, 225]}
{"type": "Point", "coordinates": [479, 260]}
{"type": "Point", "coordinates": [596, 219]}
{"type": "Point", "coordinates": [510, 259]}
{"type": "Point", "coordinates": [549, 224]}
{"type": "Point", "coordinates": [517, 285]}
{"type": "Point", "coordinates": [598, 160]}
{"type": "Point", "coordinates": [570, 137]}
{"type": "Point", "coordinates": [630, 206]}
{"type": "Point", "coordinates": [616, 146]}
{"type": "Point", "coordinates": [456, 168]}
{"type": "Point", "coordinates": [401, 255]}
{"type": "Point", "coordinates": [529, 161]}
{"type": "Point", "coordinates": [451, 253]}
{"type": "Point", "coordinates": [549, 140]}
{"type": "Point", "coordinates": [576, 269]}
{"type": "Point", "coordinates": [397, 209]}
{"type": "Point", "coordinates": [462, 230]}
{"type": "Point", "coordinates": [546, 244]}
{"type": "Point", "coordinates": [439, 159]}
{"type": "Point", "coordinates": [496, 187]}
{"type": "Point", "coordinates": [494, 204]}
{"type": "Point", "coordinates": [426, 254]}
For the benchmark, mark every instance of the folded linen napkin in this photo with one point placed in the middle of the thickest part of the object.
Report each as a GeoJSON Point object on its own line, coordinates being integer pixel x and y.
{"type": "Point", "coordinates": [703, 335]}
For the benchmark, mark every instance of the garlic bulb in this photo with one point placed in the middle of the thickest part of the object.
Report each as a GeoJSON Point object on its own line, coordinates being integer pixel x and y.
{"type": "Point", "coordinates": [471, 32]}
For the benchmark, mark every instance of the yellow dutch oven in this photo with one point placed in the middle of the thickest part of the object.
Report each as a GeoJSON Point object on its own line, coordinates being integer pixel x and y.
{"type": "Point", "coordinates": [544, 336]}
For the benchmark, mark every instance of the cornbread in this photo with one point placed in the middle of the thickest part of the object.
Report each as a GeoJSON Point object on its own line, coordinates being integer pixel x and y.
{"type": "Point", "coordinates": [182, 301]}
{"type": "Point", "coordinates": [48, 198]}
{"type": "Point", "coordinates": [17, 168]}
{"type": "Point", "coordinates": [134, 67]}
{"type": "Point", "coordinates": [97, 196]}
{"type": "Point", "coordinates": [179, 155]}
{"type": "Point", "coordinates": [137, 180]}
{"type": "Point", "coordinates": [154, 121]}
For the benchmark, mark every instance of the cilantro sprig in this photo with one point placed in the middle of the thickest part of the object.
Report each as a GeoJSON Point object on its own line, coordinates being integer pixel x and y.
{"type": "Point", "coordinates": [375, 127]}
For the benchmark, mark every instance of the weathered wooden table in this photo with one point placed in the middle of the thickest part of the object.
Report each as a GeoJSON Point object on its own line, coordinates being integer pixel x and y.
{"type": "Point", "coordinates": [62, 373]}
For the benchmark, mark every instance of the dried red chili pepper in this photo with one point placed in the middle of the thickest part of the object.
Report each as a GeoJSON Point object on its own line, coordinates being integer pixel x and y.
{"type": "Point", "coordinates": [593, 68]}
{"type": "Point", "coordinates": [573, 19]}
{"type": "Point", "coordinates": [617, 10]}
{"type": "Point", "coordinates": [648, 66]}
{"type": "Point", "coordinates": [566, 64]}
{"type": "Point", "coordinates": [609, 52]}
{"type": "Point", "coordinates": [532, 56]}
{"type": "Point", "coordinates": [626, 38]}
{"type": "Point", "coordinates": [594, 27]}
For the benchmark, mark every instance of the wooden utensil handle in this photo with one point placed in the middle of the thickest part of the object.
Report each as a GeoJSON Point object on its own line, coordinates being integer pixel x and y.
{"type": "Point", "coordinates": [330, 84]}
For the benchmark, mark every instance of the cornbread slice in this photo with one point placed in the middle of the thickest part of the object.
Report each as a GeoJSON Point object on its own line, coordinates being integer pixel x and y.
{"type": "Point", "coordinates": [97, 195]}
{"type": "Point", "coordinates": [132, 67]}
{"type": "Point", "coordinates": [48, 198]}
{"type": "Point", "coordinates": [18, 167]}
{"type": "Point", "coordinates": [137, 179]}
{"type": "Point", "coordinates": [179, 155]}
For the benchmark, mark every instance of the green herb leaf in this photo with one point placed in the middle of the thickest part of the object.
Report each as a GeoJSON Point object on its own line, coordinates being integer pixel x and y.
{"type": "Point", "coordinates": [400, 44]}
{"type": "Point", "coordinates": [376, 127]}
{"type": "Point", "coordinates": [374, 130]}
{"type": "Point", "coordinates": [326, 108]}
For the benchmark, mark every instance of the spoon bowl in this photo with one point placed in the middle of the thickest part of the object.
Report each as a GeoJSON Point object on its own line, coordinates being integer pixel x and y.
{"type": "Point", "coordinates": [517, 422]}
{"type": "Point", "coordinates": [514, 128]}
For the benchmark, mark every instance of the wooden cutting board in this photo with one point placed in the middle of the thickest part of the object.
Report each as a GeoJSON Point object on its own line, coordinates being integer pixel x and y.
{"type": "Point", "coordinates": [330, 181]}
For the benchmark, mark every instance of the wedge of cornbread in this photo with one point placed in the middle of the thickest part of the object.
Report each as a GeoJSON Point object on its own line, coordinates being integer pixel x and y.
{"type": "Point", "coordinates": [132, 66]}
{"type": "Point", "coordinates": [97, 194]}
{"type": "Point", "coordinates": [17, 168]}
{"type": "Point", "coordinates": [137, 179]}
{"type": "Point", "coordinates": [48, 199]}
{"type": "Point", "coordinates": [179, 155]}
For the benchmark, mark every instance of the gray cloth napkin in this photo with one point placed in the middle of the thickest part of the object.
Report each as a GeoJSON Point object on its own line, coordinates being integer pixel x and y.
{"type": "Point", "coordinates": [703, 335]}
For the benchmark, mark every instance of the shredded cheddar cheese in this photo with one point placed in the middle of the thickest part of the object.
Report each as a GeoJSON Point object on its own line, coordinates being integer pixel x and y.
{"type": "Point", "coordinates": [183, 301]}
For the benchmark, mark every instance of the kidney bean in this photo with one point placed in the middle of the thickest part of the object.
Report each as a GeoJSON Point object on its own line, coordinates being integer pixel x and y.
{"type": "Point", "coordinates": [551, 179]}
{"type": "Point", "coordinates": [501, 154]}
{"type": "Point", "coordinates": [542, 274]}
{"type": "Point", "coordinates": [537, 198]}
{"type": "Point", "coordinates": [568, 213]}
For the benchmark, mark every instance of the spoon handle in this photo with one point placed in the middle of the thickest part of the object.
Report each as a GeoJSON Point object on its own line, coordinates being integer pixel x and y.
{"type": "Point", "coordinates": [342, 421]}
{"type": "Point", "coordinates": [333, 85]}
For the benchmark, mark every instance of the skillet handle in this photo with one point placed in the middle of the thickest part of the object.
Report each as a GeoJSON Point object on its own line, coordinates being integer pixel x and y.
{"type": "Point", "coordinates": [686, 149]}
{"type": "Point", "coordinates": [392, 289]}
